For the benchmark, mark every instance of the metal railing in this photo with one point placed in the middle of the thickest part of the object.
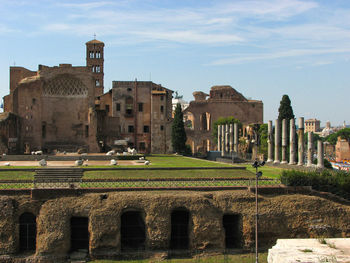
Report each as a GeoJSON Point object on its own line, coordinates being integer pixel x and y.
{"type": "Point", "coordinates": [174, 183]}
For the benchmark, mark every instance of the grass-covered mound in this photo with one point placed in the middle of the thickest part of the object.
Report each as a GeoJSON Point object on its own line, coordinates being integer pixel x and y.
{"type": "Point", "coordinates": [336, 182]}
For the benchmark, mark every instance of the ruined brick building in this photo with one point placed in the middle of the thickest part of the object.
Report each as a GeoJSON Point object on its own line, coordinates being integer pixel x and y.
{"type": "Point", "coordinates": [64, 108]}
{"type": "Point", "coordinates": [223, 101]}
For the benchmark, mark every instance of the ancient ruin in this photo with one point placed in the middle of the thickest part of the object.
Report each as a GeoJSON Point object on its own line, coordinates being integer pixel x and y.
{"type": "Point", "coordinates": [223, 101]}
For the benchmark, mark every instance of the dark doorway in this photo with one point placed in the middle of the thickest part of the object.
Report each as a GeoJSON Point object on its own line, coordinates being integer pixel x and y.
{"type": "Point", "coordinates": [79, 233]}
{"type": "Point", "coordinates": [179, 229]}
{"type": "Point", "coordinates": [231, 223]}
{"type": "Point", "coordinates": [27, 232]}
{"type": "Point", "coordinates": [132, 231]}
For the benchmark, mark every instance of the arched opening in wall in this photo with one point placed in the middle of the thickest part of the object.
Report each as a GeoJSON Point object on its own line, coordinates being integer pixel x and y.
{"type": "Point", "coordinates": [79, 233]}
{"type": "Point", "coordinates": [232, 225]}
{"type": "Point", "coordinates": [27, 232]}
{"type": "Point", "coordinates": [179, 229]}
{"type": "Point", "coordinates": [189, 120]}
{"type": "Point", "coordinates": [204, 123]}
{"type": "Point", "coordinates": [132, 231]}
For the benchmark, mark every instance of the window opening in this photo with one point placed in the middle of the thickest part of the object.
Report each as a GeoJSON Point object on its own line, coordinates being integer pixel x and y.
{"type": "Point", "coordinates": [98, 54]}
{"type": "Point", "coordinates": [140, 107]}
{"type": "Point", "coordinates": [179, 229]}
{"type": "Point", "coordinates": [79, 238]}
{"type": "Point", "coordinates": [146, 129]}
{"type": "Point", "coordinates": [132, 231]}
{"type": "Point", "coordinates": [128, 106]}
{"type": "Point", "coordinates": [161, 127]}
{"type": "Point", "coordinates": [118, 106]}
{"type": "Point", "coordinates": [232, 227]}
{"type": "Point", "coordinates": [91, 54]}
{"type": "Point", "coordinates": [86, 130]}
{"type": "Point", "coordinates": [142, 146]}
{"type": "Point", "coordinates": [27, 232]}
{"type": "Point", "coordinates": [97, 82]}
{"type": "Point", "coordinates": [98, 69]}
{"type": "Point", "coordinates": [43, 130]}
{"type": "Point", "coordinates": [162, 109]}
{"type": "Point", "coordinates": [107, 108]}
{"type": "Point", "coordinates": [161, 97]}
{"type": "Point", "coordinates": [130, 128]}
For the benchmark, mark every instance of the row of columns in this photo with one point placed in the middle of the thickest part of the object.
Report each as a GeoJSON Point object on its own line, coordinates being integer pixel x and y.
{"type": "Point", "coordinates": [228, 138]}
{"type": "Point", "coordinates": [292, 150]}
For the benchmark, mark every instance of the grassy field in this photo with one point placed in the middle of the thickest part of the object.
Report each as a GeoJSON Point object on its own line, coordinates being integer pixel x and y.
{"type": "Point", "coordinates": [159, 161]}
{"type": "Point", "coordinates": [241, 258]}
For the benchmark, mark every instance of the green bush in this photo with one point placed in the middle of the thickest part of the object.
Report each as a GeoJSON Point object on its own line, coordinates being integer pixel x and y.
{"type": "Point", "coordinates": [336, 182]}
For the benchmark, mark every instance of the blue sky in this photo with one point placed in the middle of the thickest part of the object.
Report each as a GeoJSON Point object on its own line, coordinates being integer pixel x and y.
{"type": "Point", "coordinates": [263, 49]}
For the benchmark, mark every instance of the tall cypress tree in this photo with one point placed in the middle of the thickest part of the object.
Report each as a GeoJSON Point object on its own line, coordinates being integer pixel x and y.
{"type": "Point", "coordinates": [285, 110]}
{"type": "Point", "coordinates": [178, 134]}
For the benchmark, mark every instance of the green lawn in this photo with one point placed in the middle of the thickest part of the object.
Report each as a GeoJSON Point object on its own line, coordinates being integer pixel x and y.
{"type": "Point", "coordinates": [241, 258]}
{"type": "Point", "coordinates": [16, 175]}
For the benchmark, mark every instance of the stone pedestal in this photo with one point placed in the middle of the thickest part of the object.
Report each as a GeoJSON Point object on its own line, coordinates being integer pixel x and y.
{"type": "Point", "coordinates": [277, 139]}
{"type": "Point", "coordinates": [310, 151]}
{"type": "Point", "coordinates": [292, 142]}
{"type": "Point", "coordinates": [284, 141]}
{"type": "Point", "coordinates": [269, 142]}
{"type": "Point", "coordinates": [301, 141]}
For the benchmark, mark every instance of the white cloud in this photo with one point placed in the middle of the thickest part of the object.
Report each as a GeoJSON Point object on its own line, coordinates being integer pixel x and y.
{"type": "Point", "coordinates": [86, 6]}
{"type": "Point", "coordinates": [190, 37]}
{"type": "Point", "coordinates": [278, 55]}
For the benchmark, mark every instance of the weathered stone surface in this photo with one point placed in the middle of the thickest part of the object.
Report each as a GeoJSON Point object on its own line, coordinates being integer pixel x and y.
{"type": "Point", "coordinates": [284, 216]}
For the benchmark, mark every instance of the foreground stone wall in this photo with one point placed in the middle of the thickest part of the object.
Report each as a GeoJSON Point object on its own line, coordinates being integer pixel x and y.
{"type": "Point", "coordinates": [283, 216]}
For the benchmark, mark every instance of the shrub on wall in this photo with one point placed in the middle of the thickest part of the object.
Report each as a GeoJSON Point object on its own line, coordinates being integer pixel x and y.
{"type": "Point", "coordinates": [336, 182]}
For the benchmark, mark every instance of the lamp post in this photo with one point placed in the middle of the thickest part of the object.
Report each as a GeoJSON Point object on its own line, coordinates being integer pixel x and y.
{"type": "Point", "coordinates": [258, 174]}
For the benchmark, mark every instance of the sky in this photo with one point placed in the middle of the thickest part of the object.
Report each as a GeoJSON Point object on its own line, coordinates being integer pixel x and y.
{"type": "Point", "coordinates": [262, 48]}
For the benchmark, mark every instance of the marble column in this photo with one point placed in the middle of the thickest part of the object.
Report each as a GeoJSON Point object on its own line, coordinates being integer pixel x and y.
{"type": "Point", "coordinates": [292, 142]}
{"type": "Point", "coordinates": [227, 142]}
{"type": "Point", "coordinates": [222, 140]}
{"type": "Point", "coordinates": [310, 151]}
{"type": "Point", "coordinates": [301, 141]}
{"type": "Point", "coordinates": [284, 141]}
{"type": "Point", "coordinates": [269, 142]}
{"type": "Point", "coordinates": [320, 162]}
{"type": "Point", "coordinates": [277, 139]}
{"type": "Point", "coordinates": [235, 138]}
{"type": "Point", "coordinates": [219, 138]}
{"type": "Point", "coordinates": [231, 138]}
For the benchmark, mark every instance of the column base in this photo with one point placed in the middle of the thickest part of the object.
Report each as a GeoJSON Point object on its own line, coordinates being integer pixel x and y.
{"type": "Point", "coordinates": [284, 162]}
{"type": "Point", "coordinates": [269, 161]}
{"type": "Point", "coordinates": [276, 162]}
{"type": "Point", "coordinates": [292, 163]}
{"type": "Point", "coordinates": [300, 164]}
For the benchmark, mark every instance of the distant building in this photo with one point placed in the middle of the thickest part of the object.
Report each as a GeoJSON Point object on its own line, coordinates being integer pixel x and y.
{"type": "Point", "coordinates": [179, 99]}
{"type": "Point", "coordinates": [138, 112]}
{"type": "Point", "coordinates": [327, 130]}
{"type": "Point", "coordinates": [342, 150]}
{"type": "Point", "coordinates": [65, 108]}
{"type": "Point", "coordinates": [312, 125]}
{"type": "Point", "coordinates": [223, 101]}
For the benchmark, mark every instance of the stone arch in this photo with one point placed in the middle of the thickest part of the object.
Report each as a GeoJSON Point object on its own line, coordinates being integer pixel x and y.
{"type": "Point", "coordinates": [189, 120]}
{"type": "Point", "coordinates": [132, 230]}
{"type": "Point", "coordinates": [205, 121]}
{"type": "Point", "coordinates": [180, 222]}
{"type": "Point", "coordinates": [232, 224]}
{"type": "Point", "coordinates": [27, 232]}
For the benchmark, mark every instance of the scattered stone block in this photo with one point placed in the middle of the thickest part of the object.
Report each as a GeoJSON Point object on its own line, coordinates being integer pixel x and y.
{"type": "Point", "coordinates": [42, 162]}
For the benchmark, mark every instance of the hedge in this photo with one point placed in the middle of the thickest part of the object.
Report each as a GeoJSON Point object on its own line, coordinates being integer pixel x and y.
{"type": "Point", "coordinates": [336, 182]}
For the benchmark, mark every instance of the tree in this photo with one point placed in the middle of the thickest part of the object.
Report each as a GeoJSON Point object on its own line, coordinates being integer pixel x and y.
{"type": "Point", "coordinates": [285, 110]}
{"type": "Point", "coordinates": [343, 133]}
{"type": "Point", "coordinates": [263, 136]}
{"type": "Point", "coordinates": [178, 134]}
{"type": "Point", "coordinates": [224, 120]}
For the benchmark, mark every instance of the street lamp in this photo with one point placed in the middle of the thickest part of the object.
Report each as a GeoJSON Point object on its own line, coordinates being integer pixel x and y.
{"type": "Point", "coordinates": [258, 174]}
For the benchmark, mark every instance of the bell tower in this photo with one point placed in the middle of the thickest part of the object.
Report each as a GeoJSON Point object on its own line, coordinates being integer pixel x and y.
{"type": "Point", "coordinates": [94, 60]}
